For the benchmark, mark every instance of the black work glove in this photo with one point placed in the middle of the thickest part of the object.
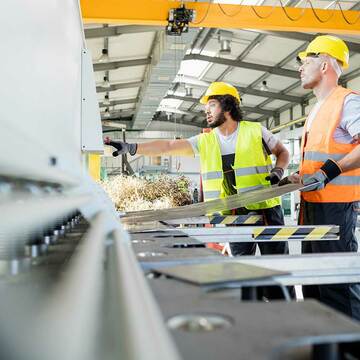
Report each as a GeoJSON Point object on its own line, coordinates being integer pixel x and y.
{"type": "Point", "coordinates": [275, 175]}
{"type": "Point", "coordinates": [121, 147]}
{"type": "Point", "coordinates": [329, 171]}
{"type": "Point", "coordinates": [287, 180]}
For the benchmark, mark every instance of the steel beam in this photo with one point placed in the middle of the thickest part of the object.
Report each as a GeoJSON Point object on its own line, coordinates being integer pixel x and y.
{"type": "Point", "coordinates": [118, 86]}
{"type": "Point", "coordinates": [245, 65]}
{"type": "Point", "coordinates": [113, 65]}
{"type": "Point", "coordinates": [250, 91]}
{"type": "Point", "coordinates": [256, 110]}
{"type": "Point", "coordinates": [118, 30]}
{"type": "Point", "coordinates": [120, 102]}
{"type": "Point", "coordinates": [355, 47]}
{"type": "Point", "coordinates": [213, 15]}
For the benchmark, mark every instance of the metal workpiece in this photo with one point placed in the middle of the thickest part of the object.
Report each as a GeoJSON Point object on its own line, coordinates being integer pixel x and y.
{"type": "Point", "coordinates": [210, 207]}
{"type": "Point", "coordinates": [263, 233]}
{"type": "Point", "coordinates": [218, 273]}
{"type": "Point", "coordinates": [306, 269]}
{"type": "Point", "coordinates": [275, 330]}
{"type": "Point", "coordinates": [250, 219]}
{"type": "Point", "coordinates": [159, 253]}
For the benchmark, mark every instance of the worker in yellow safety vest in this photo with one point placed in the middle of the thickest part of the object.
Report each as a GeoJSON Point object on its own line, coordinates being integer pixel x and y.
{"type": "Point", "coordinates": [330, 162]}
{"type": "Point", "coordinates": [234, 158]}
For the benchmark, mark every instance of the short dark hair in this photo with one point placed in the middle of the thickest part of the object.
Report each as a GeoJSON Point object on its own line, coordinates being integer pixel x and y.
{"type": "Point", "coordinates": [231, 104]}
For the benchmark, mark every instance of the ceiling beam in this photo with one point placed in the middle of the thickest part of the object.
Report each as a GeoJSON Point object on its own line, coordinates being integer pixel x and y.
{"type": "Point", "coordinates": [249, 109]}
{"type": "Point", "coordinates": [213, 15]}
{"type": "Point", "coordinates": [120, 102]}
{"type": "Point", "coordinates": [118, 30]}
{"type": "Point", "coordinates": [355, 47]}
{"type": "Point", "coordinates": [250, 91]}
{"type": "Point", "coordinates": [113, 65]}
{"type": "Point", "coordinates": [200, 124]}
{"type": "Point", "coordinates": [245, 65]}
{"type": "Point", "coordinates": [119, 86]}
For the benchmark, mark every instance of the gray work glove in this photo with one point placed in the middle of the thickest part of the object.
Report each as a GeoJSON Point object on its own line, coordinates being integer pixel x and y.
{"type": "Point", "coordinates": [121, 147]}
{"type": "Point", "coordinates": [329, 171]}
{"type": "Point", "coordinates": [275, 175]}
{"type": "Point", "coordinates": [291, 179]}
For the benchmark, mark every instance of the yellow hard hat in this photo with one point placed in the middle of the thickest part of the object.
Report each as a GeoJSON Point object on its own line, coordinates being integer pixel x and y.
{"type": "Point", "coordinates": [220, 88]}
{"type": "Point", "coordinates": [330, 45]}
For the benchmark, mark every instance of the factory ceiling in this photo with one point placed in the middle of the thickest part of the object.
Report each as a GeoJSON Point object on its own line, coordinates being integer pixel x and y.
{"type": "Point", "coordinates": [144, 76]}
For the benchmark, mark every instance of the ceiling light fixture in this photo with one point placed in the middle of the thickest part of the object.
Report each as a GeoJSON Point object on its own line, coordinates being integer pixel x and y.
{"type": "Point", "coordinates": [106, 83]}
{"type": "Point", "coordinates": [104, 56]}
{"type": "Point", "coordinates": [188, 91]}
{"type": "Point", "coordinates": [106, 101]}
{"type": "Point", "coordinates": [224, 39]}
{"type": "Point", "coordinates": [107, 113]}
{"type": "Point", "coordinates": [264, 86]}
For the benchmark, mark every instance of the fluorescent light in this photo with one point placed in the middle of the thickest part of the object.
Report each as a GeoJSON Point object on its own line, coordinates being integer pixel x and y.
{"type": "Point", "coordinates": [104, 56]}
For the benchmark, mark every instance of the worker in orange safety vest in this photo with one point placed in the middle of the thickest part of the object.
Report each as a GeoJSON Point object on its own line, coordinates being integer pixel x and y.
{"type": "Point", "coordinates": [330, 162]}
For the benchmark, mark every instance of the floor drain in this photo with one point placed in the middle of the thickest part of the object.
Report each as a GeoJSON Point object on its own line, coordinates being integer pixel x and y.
{"type": "Point", "coordinates": [199, 322]}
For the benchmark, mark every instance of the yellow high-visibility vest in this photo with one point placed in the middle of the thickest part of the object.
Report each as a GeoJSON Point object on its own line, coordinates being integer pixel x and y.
{"type": "Point", "coordinates": [251, 165]}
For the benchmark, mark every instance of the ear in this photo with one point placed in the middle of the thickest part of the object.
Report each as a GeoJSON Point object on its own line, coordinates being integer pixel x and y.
{"type": "Point", "coordinates": [324, 66]}
{"type": "Point", "coordinates": [226, 106]}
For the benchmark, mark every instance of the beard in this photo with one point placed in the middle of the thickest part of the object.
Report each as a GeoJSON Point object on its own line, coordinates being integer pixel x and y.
{"type": "Point", "coordinates": [219, 120]}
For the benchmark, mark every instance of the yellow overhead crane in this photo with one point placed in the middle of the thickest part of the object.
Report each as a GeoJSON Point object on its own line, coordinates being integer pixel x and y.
{"type": "Point", "coordinates": [214, 15]}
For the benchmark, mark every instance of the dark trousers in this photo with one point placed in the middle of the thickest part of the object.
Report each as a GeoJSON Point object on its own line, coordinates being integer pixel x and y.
{"type": "Point", "coordinates": [272, 216]}
{"type": "Point", "coordinates": [342, 297]}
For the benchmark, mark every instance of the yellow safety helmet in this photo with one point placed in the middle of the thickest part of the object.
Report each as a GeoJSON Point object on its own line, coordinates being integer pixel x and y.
{"type": "Point", "coordinates": [330, 45]}
{"type": "Point", "coordinates": [220, 88]}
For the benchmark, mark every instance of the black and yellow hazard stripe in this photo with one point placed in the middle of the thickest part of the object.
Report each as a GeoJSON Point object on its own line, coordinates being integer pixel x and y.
{"type": "Point", "coordinates": [236, 220]}
{"type": "Point", "coordinates": [296, 232]}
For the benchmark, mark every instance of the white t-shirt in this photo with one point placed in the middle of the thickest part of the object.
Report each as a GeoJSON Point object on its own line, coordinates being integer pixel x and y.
{"type": "Point", "coordinates": [349, 125]}
{"type": "Point", "coordinates": [228, 143]}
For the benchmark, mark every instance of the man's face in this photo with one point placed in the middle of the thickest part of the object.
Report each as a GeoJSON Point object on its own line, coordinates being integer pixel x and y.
{"type": "Point", "coordinates": [310, 72]}
{"type": "Point", "coordinates": [214, 113]}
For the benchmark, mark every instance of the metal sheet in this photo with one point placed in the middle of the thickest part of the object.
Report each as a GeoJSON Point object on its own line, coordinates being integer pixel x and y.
{"type": "Point", "coordinates": [216, 220]}
{"type": "Point", "coordinates": [206, 274]}
{"type": "Point", "coordinates": [307, 269]}
{"type": "Point", "coordinates": [213, 206]}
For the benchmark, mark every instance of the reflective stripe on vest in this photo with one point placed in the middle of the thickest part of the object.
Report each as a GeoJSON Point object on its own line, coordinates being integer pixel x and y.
{"type": "Point", "coordinates": [318, 156]}
{"type": "Point", "coordinates": [252, 170]}
{"type": "Point", "coordinates": [211, 175]}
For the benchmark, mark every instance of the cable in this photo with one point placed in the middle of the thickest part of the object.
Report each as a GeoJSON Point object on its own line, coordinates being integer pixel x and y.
{"type": "Point", "coordinates": [317, 16]}
{"type": "Point", "coordinates": [263, 17]}
{"type": "Point", "coordinates": [205, 16]}
{"type": "Point", "coordinates": [232, 15]}
{"type": "Point", "coordinates": [346, 20]}
{"type": "Point", "coordinates": [287, 14]}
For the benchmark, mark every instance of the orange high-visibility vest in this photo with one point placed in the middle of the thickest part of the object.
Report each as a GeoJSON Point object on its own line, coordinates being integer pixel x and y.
{"type": "Point", "coordinates": [318, 145]}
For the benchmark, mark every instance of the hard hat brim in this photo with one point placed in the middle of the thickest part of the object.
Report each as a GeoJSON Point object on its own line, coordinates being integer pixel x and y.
{"type": "Point", "coordinates": [204, 100]}
{"type": "Point", "coordinates": [302, 55]}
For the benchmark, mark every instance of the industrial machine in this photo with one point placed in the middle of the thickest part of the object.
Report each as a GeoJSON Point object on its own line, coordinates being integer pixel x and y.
{"type": "Point", "coordinates": [75, 284]}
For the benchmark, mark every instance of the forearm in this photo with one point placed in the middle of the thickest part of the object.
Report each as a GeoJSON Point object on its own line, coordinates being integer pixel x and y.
{"type": "Point", "coordinates": [153, 148]}
{"type": "Point", "coordinates": [283, 161]}
{"type": "Point", "coordinates": [165, 147]}
{"type": "Point", "coordinates": [350, 161]}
